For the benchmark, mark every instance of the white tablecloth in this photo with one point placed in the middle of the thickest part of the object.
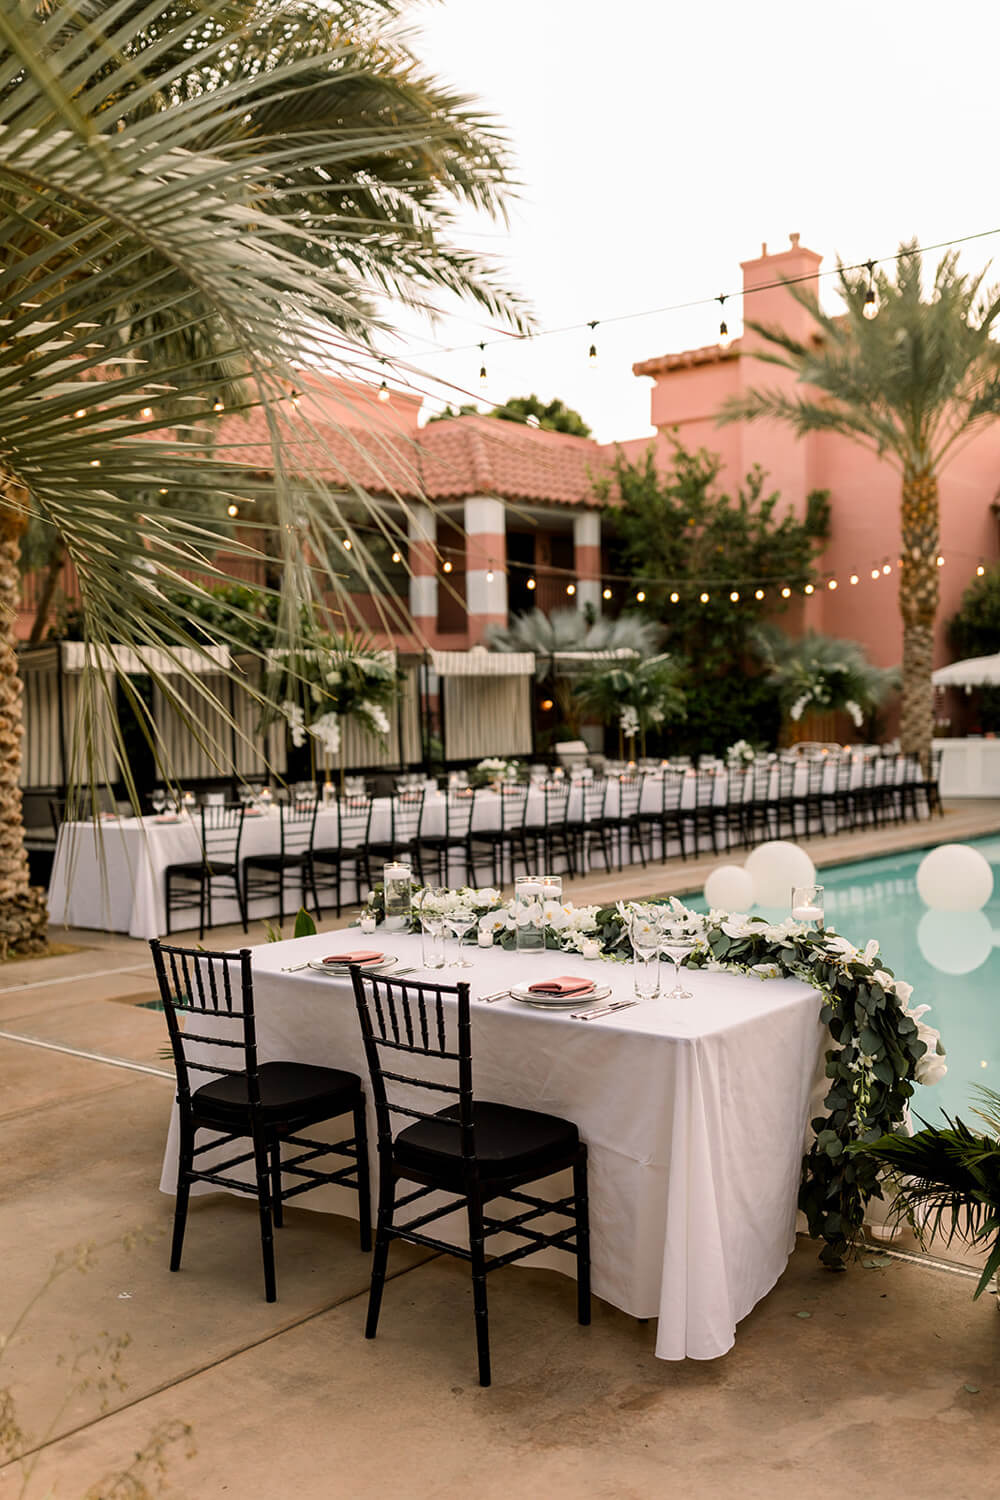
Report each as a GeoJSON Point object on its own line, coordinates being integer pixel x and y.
{"type": "Point", "coordinates": [694, 1113]}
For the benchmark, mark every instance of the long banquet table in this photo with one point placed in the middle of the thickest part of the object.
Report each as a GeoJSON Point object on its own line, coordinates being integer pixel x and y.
{"type": "Point", "coordinates": [694, 1113]}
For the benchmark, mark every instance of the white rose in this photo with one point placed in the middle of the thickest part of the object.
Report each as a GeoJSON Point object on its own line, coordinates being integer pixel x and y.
{"type": "Point", "coordinates": [930, 1069]}
{"type": "Point", "coordinates": [737, 926]}
{"type": "Point", "coordinates": [902, 990]}
{"type": "Point", "coordinates": [766, 971]}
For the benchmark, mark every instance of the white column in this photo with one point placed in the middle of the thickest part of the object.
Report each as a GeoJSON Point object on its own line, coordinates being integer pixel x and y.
{"type": "Point", "coordinates": [587, 558]}
{"type": "Point", "coordinates": [485, 564]}
{"type": "Point", "coordinates": [422, 532]}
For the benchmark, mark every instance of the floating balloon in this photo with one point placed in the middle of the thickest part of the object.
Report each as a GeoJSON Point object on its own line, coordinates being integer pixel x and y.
{"type": "Point", "coordinates": [955, 942]}
{"type": "Point", "coordinates": [729, 888]}
{"type": "Point", "coordinates": [954, 877]}
{"type": "Point", "coordinates": [774, 868]}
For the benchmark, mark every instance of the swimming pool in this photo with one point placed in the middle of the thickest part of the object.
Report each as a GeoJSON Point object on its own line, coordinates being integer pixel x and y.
{"type": "Point", "coordinates": [950, 958]}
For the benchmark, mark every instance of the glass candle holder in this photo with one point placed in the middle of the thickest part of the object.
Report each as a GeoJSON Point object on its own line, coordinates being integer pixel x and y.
{"type": "Point", "coordinates": [807, 904]}
{"type": "Point", "coordinates": [529, 921]}
{"type": "Point", "coordinates": [552, 888]}
{"type": "Point", "coordinates": [367, 921]}
{"type": "Point", "coordinates": [398, 886]}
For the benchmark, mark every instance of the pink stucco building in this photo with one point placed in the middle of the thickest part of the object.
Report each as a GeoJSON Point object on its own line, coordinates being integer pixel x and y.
{"type": "Point", "coordinates": [688, 389]}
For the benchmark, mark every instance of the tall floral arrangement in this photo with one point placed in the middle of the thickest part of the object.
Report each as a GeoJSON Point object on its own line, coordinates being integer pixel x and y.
{"type": "Point", "coordinates": [818, 673]}
{"type": "Point", "coordinates": [635, 696]}
{"type": "Point", "coordinates": [335, 680]}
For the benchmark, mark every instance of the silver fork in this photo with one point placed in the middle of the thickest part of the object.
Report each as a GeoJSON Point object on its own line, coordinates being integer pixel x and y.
{"type": "Point", "coordinates": [497, 995]}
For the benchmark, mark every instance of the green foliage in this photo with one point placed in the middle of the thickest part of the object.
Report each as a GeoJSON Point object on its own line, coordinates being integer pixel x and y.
{"type": "Point", "coordinates": [948, 1176]}
{"type": "Point", "coordinates": [720, 711]}
{"type": "Point", "coordinates": [305, 925]}
{"type": "Point", "coordinates": [570, 630]}
{"type": "Point", "coordinates": [634, 695]}
{"type": "Point", "coordinates": [551, 416]}
{"type": "Point", "coordinates": [467, 409]}
{"type": "Point", "coordinates": [684, 534]}
{"type": "Point", "coordinates": [819, 673]}
{"type": "Point", "coordinates": [975, 629]}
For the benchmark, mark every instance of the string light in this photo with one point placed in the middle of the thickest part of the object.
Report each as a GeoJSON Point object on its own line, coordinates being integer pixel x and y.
{"type": "Point", "coordinates": [876, 573]}
{"type": "Point", "coordinates": [571, 589]}
{"type": "Point", "coordinates": [383, 391]}
{"type": "Point", "coordinates": [396, 557]}
{"type": "Point", "coordinates": [832, 584]}
{"type": "Point", "coordinates": [606, 594]}
{"type": "Point", "coordinates": [980, 570]}
{"type": "Point", "coordinates": [641, 596]}
{"type": "Point", "coordinates": [786, 592]}
{"type": "Point", "coordinates": [546, 705]}
{"type": "Point", "coordinates": [147, 412]}
{"type": "Point", "coordinates": [295, 397]}
{"type": "Point", "coordinates": [887, 567]}
{"type": "Point", "coordinates": [808, 589]}
{"type": "Point", "coordinates": [219, 404]}
{"type": "Point", "coordinates": [675, 598]}
{"type": "Point", "coordinates": [530, 584]}
{"type": "Point", "coordinates": [758, 593]}
{"type": "Point", "coordinates": [447, 567]}
{"type": "Point", "coordinates": [854, 577]}
{"type": "Point", "coordinates": [592, 351]}
{"type": "Point", "coordinates": [704, 598]}
{"type": "Point", "coordinates": [80, 412]}
{"type": "Point", "coordinates": [869, 308]}
{"type": "Point", "coordinates": [347, 544]}
{"type": "Point", "coordinates": [95, 463]}
{"type": "Point", "coordinates": [940, 561]}
{"type": "Point", "coordinates": [723, 325]}
{"type": "Point", "coordinates": [489, 572]}
{"type": "Point", "coordinates": [734, 597]}
{"type": "Point", "coordinates": [482, 367]}
{"type": "Point", "coordinates": [232, 510]}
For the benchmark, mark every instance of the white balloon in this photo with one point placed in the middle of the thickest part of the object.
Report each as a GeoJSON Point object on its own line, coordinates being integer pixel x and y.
{"type": "Point", "coordinates": [956, 942]}
{"type": "Point", "coordinates": [954, 877]}
{"type": "Point", "coordinates": [774, 868]}
{"type": "Point", "coordinates": [729, 888]}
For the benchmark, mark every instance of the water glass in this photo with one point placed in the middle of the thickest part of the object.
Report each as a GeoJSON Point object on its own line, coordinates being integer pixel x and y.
{"type": "Point", "coordinates": [676, 944]}
{"type": "Point", "coordinates": [645, 938]}
{"type": "Point", "coordinates": [158, 799]}
{"type": "Point", "coordinates": [432, 942]}
{"type": "Point", "coordinates": [460, 921]}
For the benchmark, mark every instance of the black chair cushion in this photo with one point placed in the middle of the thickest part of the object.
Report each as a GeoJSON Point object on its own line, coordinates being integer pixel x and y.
{"type": "Point", "coordinates": [273, 861]}
{"type": "Point", "coordinates": [286, 1089]}
{"type": "Point", "coordinates": [509, 1142]}
{"type": "Point", "coordinates": [196, 869]}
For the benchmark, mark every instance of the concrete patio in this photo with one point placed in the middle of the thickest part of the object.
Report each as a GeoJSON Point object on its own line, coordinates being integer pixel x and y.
{"type": "Point", "coordinates": [884, 1378]}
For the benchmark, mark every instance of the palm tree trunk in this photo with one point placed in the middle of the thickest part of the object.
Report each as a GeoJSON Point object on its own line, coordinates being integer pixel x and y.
{"type": "Point", "coordinates": [23, 914]}
{"type": "Point", "coordinates": [918, 604]}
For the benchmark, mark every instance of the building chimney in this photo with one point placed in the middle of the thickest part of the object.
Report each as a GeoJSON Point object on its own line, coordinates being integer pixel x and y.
{"type": "Point", "coordinates": [765, 300]}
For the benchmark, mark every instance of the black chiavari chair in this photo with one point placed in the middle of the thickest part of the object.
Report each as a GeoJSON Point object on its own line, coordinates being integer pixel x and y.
{"type": "Point", "coordinates": [346, 857]}
{"type": "Point", "coordinates": [503, 844]}
{"type": "Point", "coordinates": [459, 810]}
{"type": "Point", "coordinates": [478, 1152]}
{"type": "Point", "coordinates": [269, 1103]}
{"type": "Point", "coordinates": [406, 809]}
{"type": "Point", "coordinates": [189, 884]}
{"type": "Point", "coordinates": [265, 875]}
{"type": "Point", "coordinates": [550, 839]}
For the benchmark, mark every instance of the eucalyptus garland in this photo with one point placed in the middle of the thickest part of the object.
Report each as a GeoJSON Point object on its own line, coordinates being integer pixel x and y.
{"type": "Point", "coordinates": [880, 1047]}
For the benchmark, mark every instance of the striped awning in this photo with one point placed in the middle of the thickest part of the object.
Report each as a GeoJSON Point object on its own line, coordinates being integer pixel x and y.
{"type": "Point", "coordinates": [183, 660]}
{"type": "Point", "coordinates": [482, 663]}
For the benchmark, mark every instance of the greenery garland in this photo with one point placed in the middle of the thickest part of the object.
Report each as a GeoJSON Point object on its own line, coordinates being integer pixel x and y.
{"type": "Point", "coordinates": [880, 1047]}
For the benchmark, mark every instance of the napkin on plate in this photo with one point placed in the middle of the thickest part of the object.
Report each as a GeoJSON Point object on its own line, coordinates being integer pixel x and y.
{"type": "Point", "coordinates": [355, 956]}
{"type": "Point", "coordinates": [566, 984]}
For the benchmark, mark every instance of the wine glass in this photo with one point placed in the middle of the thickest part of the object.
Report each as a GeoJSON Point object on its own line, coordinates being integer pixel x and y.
{"type": "Point", "coordinates": [644, 935]}
{"type": "Point", "coordinates": [460, 921]}
{"type": "Point", "coordinates": [159, 800]}
{"type": "Point", "coordinates": [427, 905]}
{"type": "Point", "coordinates": [676, 944]}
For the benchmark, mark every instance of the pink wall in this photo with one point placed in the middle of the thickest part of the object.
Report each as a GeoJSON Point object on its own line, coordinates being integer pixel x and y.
{"type": "Point", "coordinates": [864, 490]}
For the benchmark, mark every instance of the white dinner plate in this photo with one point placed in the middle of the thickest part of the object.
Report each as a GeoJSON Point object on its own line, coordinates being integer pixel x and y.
{"type": "Point", "coordinates": [341, 970]}
{"type": "Point", "coordinates": [559, 1002]}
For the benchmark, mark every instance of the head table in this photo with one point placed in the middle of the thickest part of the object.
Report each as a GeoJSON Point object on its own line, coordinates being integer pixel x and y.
{"type": "Point", "coordinates": [694, 1113]}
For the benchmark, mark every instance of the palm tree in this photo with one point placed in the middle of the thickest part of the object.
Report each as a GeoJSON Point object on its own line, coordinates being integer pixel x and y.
{"type": "Point", "coordinates": [909, 385]}
{"type": "Point", "coordinates": [820, 673]}
{"type": "Point", "coordinates": [190, 211]}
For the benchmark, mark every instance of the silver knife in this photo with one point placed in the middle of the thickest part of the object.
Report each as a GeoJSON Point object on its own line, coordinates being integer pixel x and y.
{"type": "Point", "coordinates": [603, 1010]}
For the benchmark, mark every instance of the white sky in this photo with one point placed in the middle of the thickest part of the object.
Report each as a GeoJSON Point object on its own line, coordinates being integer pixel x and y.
{"type": "Point", "coordinates": [659, 143]}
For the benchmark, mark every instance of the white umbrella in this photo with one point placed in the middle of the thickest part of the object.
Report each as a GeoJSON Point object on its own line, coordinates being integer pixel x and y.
{"type": "Point", "coordinates": [976, 671]}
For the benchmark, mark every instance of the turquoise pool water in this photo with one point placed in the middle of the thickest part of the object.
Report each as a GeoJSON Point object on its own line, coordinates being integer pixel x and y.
{"type": "Point", "coordinates": [950, 958]}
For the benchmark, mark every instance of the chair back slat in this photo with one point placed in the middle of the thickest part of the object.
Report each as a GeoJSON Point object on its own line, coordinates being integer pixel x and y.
{"type": "Point", "coordinates": [407, 809]}
{"type": "Point", "coordinates": [459, 810]}
{"type": "Point", "coordinates": [395, 1019]}
{"type": "Point", "coordinates": [513, 806]}
{"type": "Point", "coordinates": [630, 793]}
{"type": "Point", "coordinates": [595, 794]}
{"type": "Point", "coordinates": [354, 817]}
{"type": "Point", "coordinates": [192, 981]}
{"type": "Point", "coordinates": [298, 826]}
{"type": "Point", "coordinates": [222, 831]}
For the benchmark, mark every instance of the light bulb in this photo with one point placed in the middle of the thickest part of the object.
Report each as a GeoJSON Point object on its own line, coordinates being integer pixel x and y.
{"type": "Point", "coordinates": [734, 597]}
{"type": "Point", "coordinates": [876, 573]}
{"type": "Point", "coordinates": [759, 594]}
{"type": "Point", "coordinates": [592, 355]}
{"type": "Point", "coordinates": [95, 463]}
{"type": "Point", "coordinates": [704, 598]}
{"type": "Point", "coordinates": [383, 392]}
{"type": "Point", "coordinates": [147, 411]}
{"type": "Point", "coordinates": [675, 598]}
{"type": "Point", "coordinates": [530, 583]}
{"type": "Point", "coordinates": [482, 367]}
{"type": "Point", "coordinates": [887, 568]}
{"type": "Point", "coordinates": [219, 405]}
{"type": "Point", "coordinates": [347, 544]}
{"type": "Point", "coordinates": [396, 557]}
{"type": "Point", "coordinates": [940, 561]}
{"type": "Point", "coordinates": [786, 592]}
{"type": "Point", "coordinates": [571, 589]}
{"type": "Point", "coordinates": [489, 575]}
{"type": "Point", "coordinates": [854, 577]}
{"type": "Point", "coordinates": [832, 584]}
{"type": "Point", "coordinates": [980, 571]}
{"type": "Point", "coordinates": [641, 596]}
{"type": "Point", "coordinates": [808, 589]}
{"type": "Point", "coordinates": [163, 492]}
{"type": "Point", "coordinates": [723, 325]}
{"type": "Point", "coordinates": [80, 412]}
{"type": "Point", "coordinates": [232, 510]}
{"type": "Point", "coordinates": [546, 705]}
{"type": "Point", "coordinates": [606, 594]}
{"type": "Point", "coordinates": [447, 567]}
{"type": "Point", "coordinates": [295, 397]}
{"type": "Point", "coordinates": [870, 307]}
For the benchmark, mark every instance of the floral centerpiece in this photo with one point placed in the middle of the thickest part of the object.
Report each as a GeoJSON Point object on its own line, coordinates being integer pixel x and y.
{"type": "Point", "coordinates": [741, 753]}
{"type": "Point", "coordinates": [334, 680]}
{"type": "Point", "coordinates": [493, 771]}
{"type": "Point", "coordinates": [880, 1046]}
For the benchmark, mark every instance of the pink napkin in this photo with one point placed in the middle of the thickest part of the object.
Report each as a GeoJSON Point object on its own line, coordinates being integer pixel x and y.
{"type": "Point", "coordinates": [564, 985]}
{"type": "Point", "coordinates": [355, 956]}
